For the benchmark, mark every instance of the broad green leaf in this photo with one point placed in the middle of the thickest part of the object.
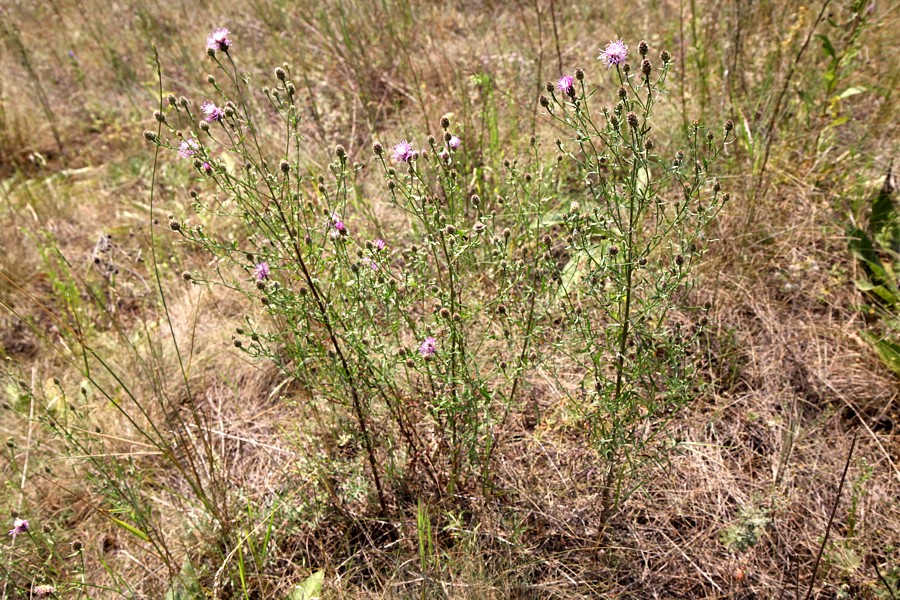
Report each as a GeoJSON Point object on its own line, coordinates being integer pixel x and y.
{"type": "Point", "coordinates": [887, 350]}
{"type": "Point", "coordinates": [310, 589]}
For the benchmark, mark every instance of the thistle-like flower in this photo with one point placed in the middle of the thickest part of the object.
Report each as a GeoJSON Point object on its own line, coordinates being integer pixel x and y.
{"type": "Point", "coordinates": [218, 40]}
{"type": "Point", "coordinates": [187, 148]}
{"type": "Point", "coordinates": [20, 526]}
{"type": "Point", "coordinates": [402, 151]}
{"type": "Point", "coordinates": [454, 143]}
{"type": "Point", "coordinates": [615, 54]}
{"type": "Point", "coordinates": [212, 112]}
{"type": "Point", "coordinates": [428, 347]}
{"type": "Point", "coordinates": [566, 85]}
{"type": "Point", "coordinates": [261, 271]}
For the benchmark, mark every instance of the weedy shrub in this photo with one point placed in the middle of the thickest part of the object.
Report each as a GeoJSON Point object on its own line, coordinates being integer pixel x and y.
{"type": "Point", "coordinates": [423, 328]}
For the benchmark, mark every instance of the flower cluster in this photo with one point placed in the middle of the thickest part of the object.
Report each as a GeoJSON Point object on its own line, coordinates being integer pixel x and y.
{"type": "Point", "coordinates": [428, 347]}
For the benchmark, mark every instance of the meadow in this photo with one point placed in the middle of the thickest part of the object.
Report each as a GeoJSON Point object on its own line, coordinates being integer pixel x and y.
{"type": "Point", "coordinates": [408, 299]}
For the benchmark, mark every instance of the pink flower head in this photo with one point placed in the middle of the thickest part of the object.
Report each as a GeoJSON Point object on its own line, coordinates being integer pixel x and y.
{"type": "Point", "coordinates": [261, 271]}
{"type": "Point", "coordinates": [207, 168]}
{"type": "Point", "coordinates": [379, 244]}
{"type": "Point", "coordinates": [19, 526]}
{"type": "Point", "coordinates": [428, 347]}
{"type": "Point", "coordinates": [403, 151]}
{"type": "Point", "coordinates": [339, 227]}
{"type": "Point", "coordinates": [187, 148]}
{"type": "Point", "coordinates": [454, 143]}
{"type": "Point", "coordinates": [614, 54]}
{"type": "Point", "coordinates": [43, 590]}
{"type": "Point", "coordinates": [212, 112]}
{"type": "Point", "coordinates": [218, 40]}
{"type": "Point", "coordinates": [566, 85]}
{"type": "Point", "coordinates": [372, 264]}
{"type": "Point", "coordinates": [444, 156]}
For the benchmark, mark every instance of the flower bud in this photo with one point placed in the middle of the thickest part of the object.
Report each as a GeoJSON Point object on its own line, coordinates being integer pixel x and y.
{"type": "Point", "coordinates": [579, 74]}
{"type": "Point", "coordinates": [445, 122]}
{"type": "Point", "coordinates": [632, 120]}
{"type": "Point", "coordinates": [665, 57]}
{"type": "Point", "coordinates": [729, 125]}
{"type": "Point", "coordinates": [285, 167]}
{"type": "Point", "coordinates": [643, 47]}
{"type": "Point", "coordinates": [544, 101]}
{"type": "Point", "coordinates": [211, 79]}
{"type": "Point", "coordinates": [171, 100]}
{"type": "Point", "coordinates": [646, 67]}
{"type": "Point", "coordinates": [280, 74]}
{"type": "Point", "coordinates": [150, 136]}
{"type": "Point", "coordinates": [549, 87]}
{"type": "Point", "coordinates": [377, 148]}
{"type": "Point", "coordinates": [340, 152]}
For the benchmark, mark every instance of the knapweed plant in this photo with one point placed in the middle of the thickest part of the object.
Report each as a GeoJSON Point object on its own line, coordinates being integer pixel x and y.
{"type": "Point", "coordinates": [419, 331]}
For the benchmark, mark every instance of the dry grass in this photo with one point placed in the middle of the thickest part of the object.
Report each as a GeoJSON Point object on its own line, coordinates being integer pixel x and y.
{"type": "Point", "coordinates": [759, 454]}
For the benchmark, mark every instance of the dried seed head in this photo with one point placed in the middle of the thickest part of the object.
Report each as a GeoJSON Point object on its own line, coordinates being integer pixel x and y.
{"type": "Point", "coordinates": [632, 120]}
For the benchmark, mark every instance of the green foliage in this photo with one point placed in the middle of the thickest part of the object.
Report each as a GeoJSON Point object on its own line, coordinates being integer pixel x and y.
{"type": "Point", "coordinates": [877, 249]}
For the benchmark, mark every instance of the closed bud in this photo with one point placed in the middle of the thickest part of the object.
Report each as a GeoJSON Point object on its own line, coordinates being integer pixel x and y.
{"type": "Point", "coordinates": [445, 313]}
{"type": "Point", "coordinates": [579, 74]}
{"type": "Point", "coordinates": [643, 47]}
{"type": "Point", "coordinates": [285, 167]}
{"type": "Point", "coordinates": [161, 118]}
{"type": "Point", "coordinates": [211, 79]}
{"type": "Point", "coordinates": [710, 136]}
{"type": "Point", "coordinates": [648, 145]}
{"type": "Point", "coordinates": [613, 250]}
{"type": "Point", "coordinates": [204, 126]}
{"type": "Point", "coordinates": [549, 87]}
{"type": "Point", "coordinates": [679, 260]}
{"type": "Point", "coordinates": [622, 93]}
{"type": "Point", "coordinates": [171, 100]}
{"type": "Point", "coordinates": [150, 136]}
{"type": "Point", "coordinates": [340, 152]}
{"type": "Point", "coordinates": [729, 125]}
{"type": "Point", "coordinates": [545, 102]}
{"type": "Point", "coordinates": [183, 101]}
{"type": "Point", "coordinates": [665, 57]}
{"type": "Point", "coordinates": [632, 120]}
{"type": "Point", "coordinates": [280, 74]}
{"type": "Point", "coordinates": [646, 67]}
{"type": "Point", "coordinates": [717, 186]}
{"type": "Point", "coordinates": [430, 139]}
{"type": "Point", "coordinates": [445, 122]}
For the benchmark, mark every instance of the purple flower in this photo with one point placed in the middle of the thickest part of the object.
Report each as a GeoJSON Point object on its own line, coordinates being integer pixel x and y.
{"type": "Point", "coordinates": [566, 85]}
{"type": "Point", "coordinates": [187, 148]}
{"type": "Point", "coordinates": [19, 526]}
{"type": "Point", "coordinates": [428, 347]}
{"type": "Point", "coordinates": [403, 151]}
{"type": "Point", "coordinates": [212, 112]}
{"type": "Point", "coordinates": [218, 40]}
{"type": "Point", "coordinates": [614, 54]}
{"type": "Point", "coordinates": [444, 156]}
{"type": "Point", "coordinates": [261, 271]}
{"type": "Point", "coordinates": [454, 143]}
{"type": "Point", "coordinates": [379, 244]}
{"type": "Point", "coordinates": [207, 168]}
{"type": "Point", "coordinates": [372, 264]}
{"type": "Point", "coordinates": [339, 226]}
